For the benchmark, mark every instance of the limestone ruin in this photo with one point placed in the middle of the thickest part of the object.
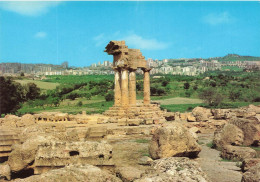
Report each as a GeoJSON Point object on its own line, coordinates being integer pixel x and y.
{"type": "Point", "coordinates": [126, 111]}
{"type": "Point", "coordinates": [113, 147]}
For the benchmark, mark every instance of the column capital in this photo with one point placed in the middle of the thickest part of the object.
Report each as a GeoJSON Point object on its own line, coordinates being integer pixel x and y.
{"type": "Point", "coordinates": [146, 69]}
{"type": "Point", "coordinates": [116, 68]}
{"type": "Point", "coordinates": [132, 69]}
{"type": "Point", "coordinates": [125, 68]}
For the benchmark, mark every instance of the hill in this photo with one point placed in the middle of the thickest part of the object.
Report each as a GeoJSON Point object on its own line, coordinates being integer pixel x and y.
{"type": "Point", "coordinates": [236, 57]}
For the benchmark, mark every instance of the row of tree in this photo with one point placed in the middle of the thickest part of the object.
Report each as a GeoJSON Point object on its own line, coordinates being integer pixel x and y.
{"type": "Point", "coordinates": [13, 94]}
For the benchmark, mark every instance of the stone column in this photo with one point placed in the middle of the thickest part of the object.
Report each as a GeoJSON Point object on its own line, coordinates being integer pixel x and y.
{"type": "Point", "coordinates": [146, 86]}
{"type": "Point", "coordinates": [117, 89]}
{"type": "Point", "coordinates": [132, 87]}
{"type": "Point", "coordinates": [124, 87]}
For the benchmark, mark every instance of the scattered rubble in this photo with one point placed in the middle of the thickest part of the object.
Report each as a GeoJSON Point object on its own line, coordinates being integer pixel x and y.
{"type": "Point", "coordinates": [248, 163]}
{"type": "Point", "coordinates": [252, 175]}
{"type": "Point", "coordinates": [73, 173]}
{"type": "Point", "coordinates": [174, 169]}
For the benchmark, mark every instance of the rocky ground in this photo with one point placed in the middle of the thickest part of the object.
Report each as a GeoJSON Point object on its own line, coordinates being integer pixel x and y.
{"type": "Point", "coordinates": [216, 169]}
{"type": "Point", "coordinates": [91, 146]}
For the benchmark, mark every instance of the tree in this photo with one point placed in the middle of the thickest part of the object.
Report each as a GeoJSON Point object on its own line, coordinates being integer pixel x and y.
{"type": "Point", "coordinates": [213, 84]}
{"type": "Point", "coordinates": [211, 96]}
{"type": "Point", "coordinates": [32, 91]}
{"type": "Point", "coordinates": [195, 87]}
{"type": "Point", "coordinates": [234, 94]}
{"type": "Point", "coordinates": [72, 96]}
{"type": "Point", "coordinates": [109, 96]}
{"type": "Point", "coordinates": [156, 89]}
{"type": "Point", "coordinates": [88, 96]}
{"type": "Point", "coordinates": [11, 95]}
{"type": "Point", "coordinates": [186, 85]}
{"type": "Point", "coordinates": [79, 104]}
{"type": "Point", "coordinates": [188, 93]}
{"type": "Point", "coordinates": [55, 101]}
{"type": "Point", "coordinates": [160, 91]}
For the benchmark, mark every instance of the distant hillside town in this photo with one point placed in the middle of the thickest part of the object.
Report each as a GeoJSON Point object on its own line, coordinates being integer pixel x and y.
{"type": "Point", "coordinates": [181, 66]}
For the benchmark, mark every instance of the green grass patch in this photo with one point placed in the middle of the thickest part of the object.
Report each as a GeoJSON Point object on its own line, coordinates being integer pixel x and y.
{"type": "Point", "coordinates": [200, 143]}
{"type": "Point", "coordinates": [188, 107]}
{"type": "Point", "coordinates": [71, 107]}
{"type": "Point", "coordinates": [179, 169]}
{"type": "Point", "coordinates": [142, 141]}
{"type": "Point", "coordinates": [255, 148]}
{"type": "Point", "coordinates": [210, 144]}
{"type": "Point", "coordinates": [144, 152]}
{"type": "Point", "coordinates": [227, 160]}
{"type": "Point", "coordinates": [41, 84]}
{"type": "Point", "coordinates": [100, 106]}
{"type": "Point", "coordinates": [73, 79]}
{"type": "Point", "coordinates": [231, 160]}
{"type": "Point", "coordinates": [231, 68]}
{"type": "Point", "coordinates": [252, 147]}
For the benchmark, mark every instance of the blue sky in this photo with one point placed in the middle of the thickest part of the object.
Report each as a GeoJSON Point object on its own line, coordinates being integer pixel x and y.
{"type": "Point", "coordinates": [77, 32]}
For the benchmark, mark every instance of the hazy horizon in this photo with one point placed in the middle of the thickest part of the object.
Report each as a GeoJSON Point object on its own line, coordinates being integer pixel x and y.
{"type": "Point", "coordinates": [77, 32]}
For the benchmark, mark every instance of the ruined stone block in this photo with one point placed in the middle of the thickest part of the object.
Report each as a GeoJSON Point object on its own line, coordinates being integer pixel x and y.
{"type": "Point", "coordinates": [133, 122]}
{"type": "Point", "coordinates": [56, 154]}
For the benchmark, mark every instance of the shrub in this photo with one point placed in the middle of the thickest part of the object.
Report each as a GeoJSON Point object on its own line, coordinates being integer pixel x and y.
{"type": "Point", "coordinates": [72, 96]}
{"type": "Point", "coordinates": [109, 96]}
{"type": "Point", "coordinates": [186, 86]}
{"type": "Point", "coordinates": [79, 104]}
{"type": "Point", "coordinates": [211, 96]}
{"type": "Point", "coordinates": [88, 96]}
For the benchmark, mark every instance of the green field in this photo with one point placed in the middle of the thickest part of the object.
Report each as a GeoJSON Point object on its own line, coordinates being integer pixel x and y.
{"type": "Point", "coordinates": [237, 88]}
{"type": "Point", "coordinates": [231, 68]}
{"type": "Point", "coordinates": [40, 84]}
{"type": "Point", "coordinates": [95, 105]}
{"type": "Point", "coordinates": [74, 79]}
{"type": "Point", "coordinates": [189, 107]}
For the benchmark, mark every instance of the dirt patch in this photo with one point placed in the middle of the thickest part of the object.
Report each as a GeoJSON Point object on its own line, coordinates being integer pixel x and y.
{"type": "Point", "coordinates": [128, 151]}
{"type": "Point", "coordinates": [179, 100]}
{"type": "Point", "coordinates": [212, 165]}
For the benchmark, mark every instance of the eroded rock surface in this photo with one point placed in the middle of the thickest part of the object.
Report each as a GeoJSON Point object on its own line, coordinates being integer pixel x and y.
{"type": "Point", "coordinates": [173, 141]}
{"type": "Point", "coordinates": [55, 154]}
{"type": "Point", "coordinates": [252, 175]}
{"type": "Point", "coordinates": [24, 154]}
{"type": "Point", "coordinates": [250, 128]}
{"type": "Point", "coordinates": [5, 171]}
{"type": "Point", "coordinates": [128, 174]}
{"type": "Point", "coordinates": [82, 173]}
{"type": "Point", "coordinates": [229, 134]}
{"type": "Point", "coordinates": [174, 169]}
{"type": "Point", "coordinates": [237, 153]}
{"type": "Point", "coordinates": [201, 113]}
{"type": "Point", "coordinates": [249, 162]}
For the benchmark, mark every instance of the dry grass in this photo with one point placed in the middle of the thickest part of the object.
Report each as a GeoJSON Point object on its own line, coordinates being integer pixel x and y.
{"type": "Point", "coordinates": [40, 84]}
{"type": "Point", "coordinates": [179, 100]}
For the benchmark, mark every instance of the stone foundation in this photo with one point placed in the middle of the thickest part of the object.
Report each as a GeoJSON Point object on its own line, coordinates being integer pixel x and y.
{"type": "Point", "coordinates": [7, 139]}
{"type": "Point", "coordinates": [136, 115]}
{"type": "Point", "coordinates": [57, 154]}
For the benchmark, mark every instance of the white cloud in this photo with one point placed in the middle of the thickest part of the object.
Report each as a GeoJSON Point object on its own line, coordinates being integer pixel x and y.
{"type": "Point", "coordinates": [137, 41]}
{"type": "Point", "coordinates": [28, 8]}
{"type": "Point", "coordinates": [40, 35]}
{"type": "Point", "coordinates": [132, 41]}
{"type": "Point", "coordinates": [100, 39]}
{"type": "Point", "coordinates": [218, 18]}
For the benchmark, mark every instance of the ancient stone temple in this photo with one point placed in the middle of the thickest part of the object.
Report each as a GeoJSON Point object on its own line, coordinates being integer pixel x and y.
{"type": "Point", "coordinates": [126, 111]}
